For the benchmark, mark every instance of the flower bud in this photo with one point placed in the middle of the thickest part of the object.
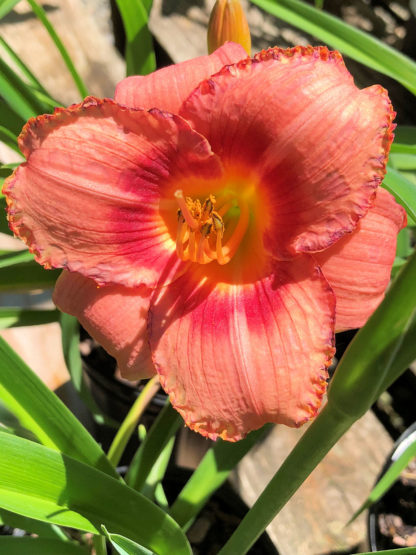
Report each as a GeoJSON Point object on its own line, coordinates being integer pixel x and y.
{"type": "Point", "coordinates": [228, 23]}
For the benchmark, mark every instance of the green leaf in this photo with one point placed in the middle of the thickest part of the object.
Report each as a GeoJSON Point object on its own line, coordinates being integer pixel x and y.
{"type": "Point", "coordinates": [124, 546]}
{"type": "Point", "coordinates": [164, 427]}
{"type": "Point", "coordinates": [140, 56]}
{"type": "Point", "coordinates": [404, 243]}
{"type": "Point", "coordinates": [43, 484]}
{"type": "Point", "coordinates": [12, 317]}
{"type": "Point", "coordinates": [351, 41]}
{"type": "Point", "coordinates": [11, 258]}
{"type": "Point", "coordinates": [41, 15]}
{"type": "Point", "coordinates": [211, 473]}
{"type": "Point", "coordinates": [130, 422]}
{"type": "Point", "coordinates": [10, 424]}
{"type": "Point", "coordinates": [402, 189]}
{"type": "Point", "coordinates": [6, 6]}
{"type": "Point", "coordinates": [70, 346]}
{"type": "Point", "coordinates": [41, 411]}
{"type": "Point", "coordinates": [397, 265]}
{"type": "Point", "coordinates": [379, 353]}
{"type": "Point", "coordinates": [147, 5]}
{"type": "Point", "coordinates": [5, 171]}
{"type": "Point", "coordinates": [390, 476]}
{"type": "Point", "coordinates": [10, 119]}
{"type": "Point", "coordinates": [17, 94]}
{"type": "Point", "coordinates": [39, 546]}
{"type": "Point", "coordinates": [405, 134]}
{"type": "Point", "coordinates": [9, 138]}
{"type": "Point", "coordinates": [32, 526]}
{"type": "Point", "coordinates": [25, 71]}
{"type": "Point", "coordinates": [4, 225]}
{"type": "Point", "coordinates": [403, 160]}
{"type": "Point", "coordinates": [152, 488]}
{"type": "Point", "coordinates": [26, 277]}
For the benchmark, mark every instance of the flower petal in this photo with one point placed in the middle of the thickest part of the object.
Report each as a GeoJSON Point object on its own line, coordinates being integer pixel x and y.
{"type": "Point", "coordinates": [168, 87]}
{"type": "Point", "coordinates": [90, 196]}
{"type": "Point", "coordinates": [358, 266]}
{"type": "Point", "coordinates": [234, 356]}
{"type": "Point", "coordinates": [115, 316]}
{"type": "Point", "coordinates": [312, 144]}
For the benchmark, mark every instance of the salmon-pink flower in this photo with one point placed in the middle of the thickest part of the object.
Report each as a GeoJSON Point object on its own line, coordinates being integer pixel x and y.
{"type": "Point", "coordinates": [211, 217]}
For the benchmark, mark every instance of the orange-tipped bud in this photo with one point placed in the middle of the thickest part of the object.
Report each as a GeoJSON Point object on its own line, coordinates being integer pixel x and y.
{"type": "Point", "coordinates": [228, 23]}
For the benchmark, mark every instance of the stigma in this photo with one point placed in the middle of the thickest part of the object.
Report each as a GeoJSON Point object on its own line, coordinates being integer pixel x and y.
{"type": "Point", "coordinates": [201, 230]}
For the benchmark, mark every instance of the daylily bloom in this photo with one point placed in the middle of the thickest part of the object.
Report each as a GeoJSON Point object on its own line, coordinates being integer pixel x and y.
{"type": "Point", "coordinates": [219, 220]}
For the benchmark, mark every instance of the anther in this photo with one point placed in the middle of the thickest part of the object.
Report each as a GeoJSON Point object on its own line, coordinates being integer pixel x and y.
{"type": "Point", "coordinates": [203, 240]}
{"type": "Point", "coordinates": [218, 224]}
{"type": "Point", "coordinates": [208, 207]}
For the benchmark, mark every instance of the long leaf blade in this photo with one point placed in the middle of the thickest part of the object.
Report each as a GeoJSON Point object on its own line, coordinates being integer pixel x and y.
{"type": "Point", "coordinates": [41, 412]}
{"type": "Point", "coordinates": [353, 42]}
{"type": "Point", "coordinates": [38, 546]}
{"type": "Point", "coordinates": [15, 257]}
{"type": "Point", "coordinates": [140, 56]}
{"type": "Point", "coordinates": [9, 138]}
{"type": "Point", "coordinates": [6, 6]}
{"type": "Point", "coordinates": [402, 189]}
{"type": "Point", "coordinates": [27, 276]}
{"type": "Point", "coordinates": [165, 426]}
{"type": "Point", "coordinates": [42, 529]}
{"type": "Point", "coordinates": [12, 317]}
{"type": "Point", "coordinates": [124, 546]}
{"type": "Point", "coordinates": [43, 484]}
{"type": "Point", "coordinates": [17, 94]}
{"type": "Point", "coordinates": [211, 473]}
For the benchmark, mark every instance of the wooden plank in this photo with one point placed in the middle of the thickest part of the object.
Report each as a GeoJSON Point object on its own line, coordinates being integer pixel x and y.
{"type": "Point", "coordinates": [313, 521]}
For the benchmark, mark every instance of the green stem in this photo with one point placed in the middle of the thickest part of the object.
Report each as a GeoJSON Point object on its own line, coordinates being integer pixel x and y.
{"type": "Point", "coordinates": [99, 543]}
{"type": "Point", "coordinates": [211, 473]}
{"type": "Point", "coordinates": [41, 15]}
{"type": "Point", "coordinates": [163, 429]}
{"type": "Point", "coordinates": [318, 439]}
{"type": "Point", "coordinates": [130, 422]}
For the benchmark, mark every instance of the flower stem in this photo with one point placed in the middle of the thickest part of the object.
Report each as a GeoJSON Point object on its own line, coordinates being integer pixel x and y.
{"type": "Point", "coordinates": [130, 422]}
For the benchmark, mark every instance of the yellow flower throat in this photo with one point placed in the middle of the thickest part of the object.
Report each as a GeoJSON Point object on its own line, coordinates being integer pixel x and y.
{"type": "Point", "coordinates": [201, 229]}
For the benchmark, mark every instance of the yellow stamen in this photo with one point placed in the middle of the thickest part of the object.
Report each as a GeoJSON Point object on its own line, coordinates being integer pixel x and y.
{"type": "Point", "coordinates": [205, 231]}
{"type": "Point", "coordinates": [192, 247]}
{"type": "Point", "coordinates": [190, 220]}
{"type": "Point", "coordinates": [197, 221]}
